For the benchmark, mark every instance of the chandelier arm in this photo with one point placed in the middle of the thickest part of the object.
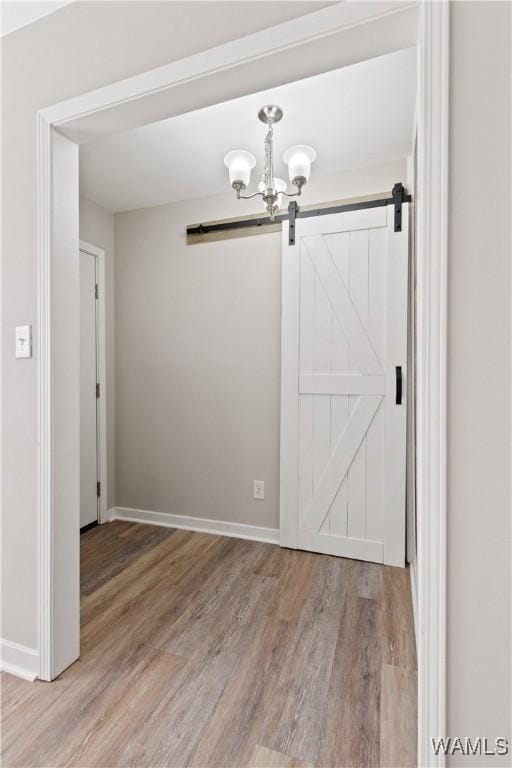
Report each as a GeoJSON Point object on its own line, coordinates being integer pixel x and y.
{"type": "Point", "coordinates": [248, 197]}
{"type": "Point", "coordinates": [292, 194]}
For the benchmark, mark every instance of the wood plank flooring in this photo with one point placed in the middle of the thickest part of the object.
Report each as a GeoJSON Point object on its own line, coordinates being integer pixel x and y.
{"type": "Point", "coordinates": [201, 650]}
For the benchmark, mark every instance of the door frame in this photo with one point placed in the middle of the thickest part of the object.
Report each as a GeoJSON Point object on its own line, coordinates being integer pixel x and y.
{"type": "Point", "coordinates": [101, 375]}
{"type": "Point", "coordinates": [317, 41]}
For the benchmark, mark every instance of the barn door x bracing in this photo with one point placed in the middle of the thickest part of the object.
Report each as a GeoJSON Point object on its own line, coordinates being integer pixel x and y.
{"type": "Point", "coordinates": [344, 352]}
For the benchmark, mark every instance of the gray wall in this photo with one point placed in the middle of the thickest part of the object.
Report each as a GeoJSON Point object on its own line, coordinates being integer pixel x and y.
{"type": "Point", "coordinates": [479, 461]}
{"type": "Point", "coordinates": [198, 356]}
{"type": "Point", "coordinates": [97, 228]}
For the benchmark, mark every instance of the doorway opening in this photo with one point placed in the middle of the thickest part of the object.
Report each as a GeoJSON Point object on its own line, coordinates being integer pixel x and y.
{"type": "Point", "coordinates": [222, 344]}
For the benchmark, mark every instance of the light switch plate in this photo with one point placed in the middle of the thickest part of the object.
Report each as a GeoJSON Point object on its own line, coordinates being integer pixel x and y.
{"type": "Point", "coordinates": [23, 341]}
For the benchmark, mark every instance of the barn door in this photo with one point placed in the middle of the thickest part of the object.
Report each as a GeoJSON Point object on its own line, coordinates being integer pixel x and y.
{"type": "Point", "coordinates": [344, 352]}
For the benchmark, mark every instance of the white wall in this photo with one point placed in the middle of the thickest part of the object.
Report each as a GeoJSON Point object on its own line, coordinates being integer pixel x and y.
{"type": "Point", "coordinates": [479, 461]}
{"type": "Point", "coordinates": [198, 356]}
{"type": "Point", "coordinates": [97, 228]}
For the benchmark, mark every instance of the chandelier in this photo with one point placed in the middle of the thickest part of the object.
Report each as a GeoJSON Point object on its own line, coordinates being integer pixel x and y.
{"type": "Point", "coordinates": [298, 159]}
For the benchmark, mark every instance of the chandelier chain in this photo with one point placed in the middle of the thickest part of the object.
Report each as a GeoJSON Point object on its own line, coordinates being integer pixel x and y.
{"type": "Point", "coordinates": [268, 175]}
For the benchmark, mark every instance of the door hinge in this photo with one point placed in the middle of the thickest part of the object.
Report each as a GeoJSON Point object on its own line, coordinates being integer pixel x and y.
{"type": "Point", "coordinates": [96, 291]}
{"type": "Point", "coordinates": [98, 489]}
{"type": "Point", "coordinates": [98, 389]}
{"type": "Point", "coordinates": [293, 209]}
{"type": "Point", "coordinates": [398, 194]}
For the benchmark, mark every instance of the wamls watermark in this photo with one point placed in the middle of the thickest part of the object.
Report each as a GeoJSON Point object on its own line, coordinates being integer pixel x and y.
{"type": "Point", "coordinates": [481, 745]}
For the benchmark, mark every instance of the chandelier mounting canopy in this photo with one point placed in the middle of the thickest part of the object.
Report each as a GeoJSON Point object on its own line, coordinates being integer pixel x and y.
{"type": "Point", "coordinates": [270, 114]}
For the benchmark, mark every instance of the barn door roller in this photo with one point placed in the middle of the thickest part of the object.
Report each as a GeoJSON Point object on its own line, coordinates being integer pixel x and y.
{"type": "Point", "coordinates": [293, 209]}
{"type": "Point", "coordinates": [398, 194]}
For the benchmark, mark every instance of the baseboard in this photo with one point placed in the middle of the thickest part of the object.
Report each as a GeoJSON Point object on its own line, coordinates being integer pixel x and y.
{"type": "Point", "coordinates": [19, 660]}
{"type": "Point", "coordinates": [199, 524]}
{"type": "Point", "coordinates": [414, 596]}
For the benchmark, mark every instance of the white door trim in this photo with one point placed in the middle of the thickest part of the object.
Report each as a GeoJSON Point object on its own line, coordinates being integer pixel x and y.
{"type": "Point", "coordinates": [146, 92]}
{"type": "Point", "coordinates": [431, 350]}
{"type": "Point", "coordinates": [124, 100]}
{"type": "Point", "coordinates": [101, 374]}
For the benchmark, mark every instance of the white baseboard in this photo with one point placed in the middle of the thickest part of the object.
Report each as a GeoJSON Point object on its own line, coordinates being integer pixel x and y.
{"type": "Point", "coordinates": [414, 595]}
{"type": "Point", "coordinates": [199, 524]}
{"type": "Point", "coordinates": [19, 660]}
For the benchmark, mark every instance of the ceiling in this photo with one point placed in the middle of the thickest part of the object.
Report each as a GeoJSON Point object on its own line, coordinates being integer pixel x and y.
{"type": "Point", "coordinates": [354, 117]}
{"type": "Point", "coordinates": [20, 13]}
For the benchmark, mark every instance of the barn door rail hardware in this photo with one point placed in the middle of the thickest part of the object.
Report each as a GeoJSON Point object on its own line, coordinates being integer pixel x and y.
{"type": "Point", "coordinates": [260, 223]}
{"type": "Point", "coordinates": [293, 210]}
{"type": "Point", "coordinates": [398, 193]}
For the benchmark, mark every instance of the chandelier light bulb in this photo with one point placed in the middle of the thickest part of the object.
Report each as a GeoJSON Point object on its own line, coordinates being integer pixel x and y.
{"type": "Point", "coordinates": [299, 159]}
{"type": "Point", "coordinates": [240, 164]}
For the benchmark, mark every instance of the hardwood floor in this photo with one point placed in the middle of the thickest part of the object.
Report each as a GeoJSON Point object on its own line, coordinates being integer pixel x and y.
{"type": "Point", "coordinates": [200, 650]}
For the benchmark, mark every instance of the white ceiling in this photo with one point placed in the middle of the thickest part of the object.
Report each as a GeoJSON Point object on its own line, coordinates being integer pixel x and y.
{"type": "Point", "coordinates": [15, 14]}
{"type": "Point", "coordinates": [354, 117]}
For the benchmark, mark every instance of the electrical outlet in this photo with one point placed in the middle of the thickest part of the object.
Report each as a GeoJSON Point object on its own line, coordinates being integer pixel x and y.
{"type": "Point", "coordinates": [259, 489]}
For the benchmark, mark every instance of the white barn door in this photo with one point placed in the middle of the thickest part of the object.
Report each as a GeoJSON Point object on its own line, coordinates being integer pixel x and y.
{"type": "Point", "coordinates": [344, 354]}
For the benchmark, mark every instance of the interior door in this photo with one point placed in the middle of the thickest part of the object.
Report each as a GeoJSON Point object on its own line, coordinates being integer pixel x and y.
{"type": "Point", "coordinates": [88, 379]}
{"type": "Point", "coordinates": [344, 354]}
